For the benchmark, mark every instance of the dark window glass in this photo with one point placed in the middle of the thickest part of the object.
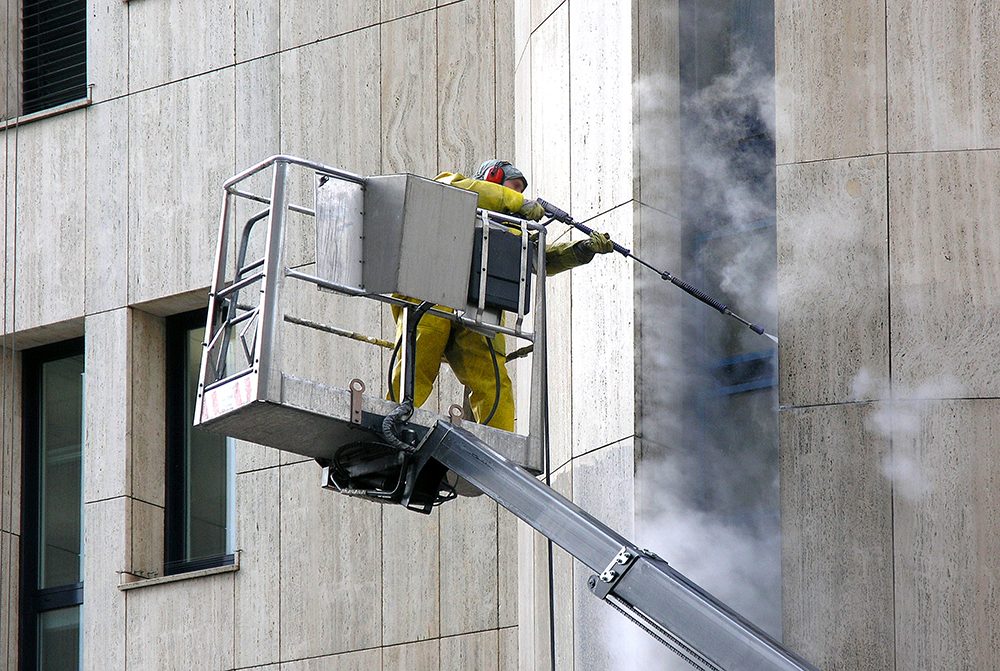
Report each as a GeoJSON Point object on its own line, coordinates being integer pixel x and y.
{"type": "Point", "coordinates": [54, 58]}
{"type": "Point", "coordinates": [52, 558]}
{"type": "Point", "coordinates": [59, 639]}
{"type": "Point", "coordinates": [199, 473]}
{"type": "Point", "coordinates": [730, 419]}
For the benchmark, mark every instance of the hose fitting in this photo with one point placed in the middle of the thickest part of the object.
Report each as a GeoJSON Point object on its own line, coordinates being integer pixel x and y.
{"type": "Point", "coordinates": [392, 423]}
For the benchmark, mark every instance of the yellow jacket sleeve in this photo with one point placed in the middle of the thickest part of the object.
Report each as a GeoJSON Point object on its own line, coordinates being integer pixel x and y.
{"type": "Point", "coordinates": [493, 197]}
{"type": "Point", "coordinates": [559, 256]}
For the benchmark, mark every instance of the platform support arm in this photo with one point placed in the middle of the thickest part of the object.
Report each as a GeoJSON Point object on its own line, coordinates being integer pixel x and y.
{"type": "Point", "coordinates": [704, 631]}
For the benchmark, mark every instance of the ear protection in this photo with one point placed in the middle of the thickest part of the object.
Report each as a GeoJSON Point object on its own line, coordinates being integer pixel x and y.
{"type": "Point", "coordinates": [496, 173]}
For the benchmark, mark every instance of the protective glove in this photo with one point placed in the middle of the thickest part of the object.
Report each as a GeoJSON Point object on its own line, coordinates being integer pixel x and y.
{"type": "Point", "coordinates": [599, 243]}
{"type": "Point", "coordinates": [531, 210]}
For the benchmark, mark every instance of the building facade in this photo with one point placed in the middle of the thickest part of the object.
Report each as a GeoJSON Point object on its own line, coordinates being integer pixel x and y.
{"type": "Point", "coordinates": [825, 168]}
{"type": "Point", "coordinates": [111, 225]}
{"type": "Point", "coordinates": [886, 258]}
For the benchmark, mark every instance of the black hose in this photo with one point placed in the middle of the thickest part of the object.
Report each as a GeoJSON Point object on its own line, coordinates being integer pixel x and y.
{"type": "Point", "coordinates": [392, 364]}
{"type": "Point", "coordinates": [392, 422]}
{"type": "Point", "coordinates": [496, 377]}
{"type": "Point", "coordinates": [401, 413]}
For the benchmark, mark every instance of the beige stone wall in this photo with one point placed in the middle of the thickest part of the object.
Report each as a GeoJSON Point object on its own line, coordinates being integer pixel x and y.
{"type": "Point", "coordinates": [597, 113]}
{"type": "Point", "coordinates": [886, 219]}
{"type": "Point", "coordinates": [888, 260]}
{"type": "Point", "coordinates": [110, 225]}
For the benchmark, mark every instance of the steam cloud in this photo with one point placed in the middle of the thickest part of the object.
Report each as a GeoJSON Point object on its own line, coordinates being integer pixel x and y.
{"type": "Point", "coordinates": [900, 419]}
{"type": "Point", "coordinates": [707, 498]}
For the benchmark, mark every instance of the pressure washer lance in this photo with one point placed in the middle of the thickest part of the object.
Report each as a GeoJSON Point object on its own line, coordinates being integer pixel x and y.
{"type": "Point", "coordinates": [560, 215]}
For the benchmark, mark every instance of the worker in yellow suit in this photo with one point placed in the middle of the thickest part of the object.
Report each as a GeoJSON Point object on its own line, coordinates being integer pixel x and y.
{"type": "Point", "coordinates": [500, 187]}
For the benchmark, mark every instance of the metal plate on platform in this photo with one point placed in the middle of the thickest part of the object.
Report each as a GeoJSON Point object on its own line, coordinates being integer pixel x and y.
{"type": "Point", "coordinates": [340, 231]}
{"type": "Point", "coordinates": [314, 420]}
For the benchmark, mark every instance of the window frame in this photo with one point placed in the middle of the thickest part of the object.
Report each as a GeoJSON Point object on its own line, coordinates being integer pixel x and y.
{"type": "Point", "coordinates": [37, 601]}
{"type": "Point", "coordinates": [13, 113]}
{"type": "Point", "coordinates": [176, 484]}
{"type": "Point", "coordinates": [49, 28]}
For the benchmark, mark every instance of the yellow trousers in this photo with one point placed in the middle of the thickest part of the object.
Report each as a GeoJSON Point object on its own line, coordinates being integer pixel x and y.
{"type": "Point", "coordinates": [469, 357]}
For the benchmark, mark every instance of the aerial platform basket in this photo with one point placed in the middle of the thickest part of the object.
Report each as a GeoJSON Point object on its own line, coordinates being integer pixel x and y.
{"type": "Point", "coordinates": [288, 360]}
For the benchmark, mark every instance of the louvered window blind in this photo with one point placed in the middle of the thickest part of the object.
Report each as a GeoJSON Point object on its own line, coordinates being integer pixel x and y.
{"type": "Point", "coordinates": [55, 53]}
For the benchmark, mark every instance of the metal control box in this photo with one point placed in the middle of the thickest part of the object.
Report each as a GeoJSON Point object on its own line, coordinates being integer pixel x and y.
{"type": "Point", "coordinates": [397, 237]}
{"type": "Point", "coordinates": [503, 271]}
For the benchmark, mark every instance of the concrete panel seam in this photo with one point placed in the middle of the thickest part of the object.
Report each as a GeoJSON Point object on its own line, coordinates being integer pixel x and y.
{"type": "Point", "coordinates": [904, 152]}
{"type": "Point", "coordinates": [295, 461]}
{"type": "Point", "coordinates": [416, 13]}
{"type": "Point", "coordinates": [828, 159]}
{"type": "Point", "coordinates": [346, 32]}
{"type": "Point", "coordinates": [642, 203]}
{"type": "Point", "coordinates": [626, 203]}
{"type": "Point", "coordinates": [921, 152]}
{"type": "Point", "coordinates": [95, 313]}
{"type": "Point", "coordinates": [783, 408]}
{"type": "Point", "coordinates": [885, 74]}
{"type": "Point", "coordinates": [223, 68]}
{"type": "Point", "coordinates": [890, 399]}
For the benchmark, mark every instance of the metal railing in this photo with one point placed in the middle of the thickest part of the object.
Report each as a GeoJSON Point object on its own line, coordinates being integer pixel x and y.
{"type": "Point", "coordinates": [245, 305]}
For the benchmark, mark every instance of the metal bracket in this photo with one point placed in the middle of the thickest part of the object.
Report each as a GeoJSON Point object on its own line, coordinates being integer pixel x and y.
{"type": "Point", "coordinates": [603, 584]}
{"type": "Point", "coordinates": [484, 262]}
{"type": "Point", "coordinates": [611, 573]}
{"type": "Point", "coordinates": [357, 389]}
{"type": "Point", "coordinates": [455, 414]}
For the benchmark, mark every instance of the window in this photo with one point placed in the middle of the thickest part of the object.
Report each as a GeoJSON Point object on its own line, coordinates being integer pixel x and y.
{"type": "Point", "coordinates": [52, 542]}
{"type": "Point", "coordinates": [53, 50]}
{"type": "Point", "coordinates": [200, 474]}
{"type": "Point", "coordinates": [730, 250]}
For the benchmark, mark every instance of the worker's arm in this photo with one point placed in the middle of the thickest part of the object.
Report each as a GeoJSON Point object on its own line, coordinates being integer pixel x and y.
{"type": "Point", "coordinates": [562, 256]}
{"type": "Point", "coordinates": [493, 197]}
{"type": "Point", "coordinates": [497, 198]}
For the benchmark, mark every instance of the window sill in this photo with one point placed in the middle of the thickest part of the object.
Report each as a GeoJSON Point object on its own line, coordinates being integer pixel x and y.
{"type": "Point", "coordinates": [43, 114]}
{"type": "Point", "coordinates": [132, 581]}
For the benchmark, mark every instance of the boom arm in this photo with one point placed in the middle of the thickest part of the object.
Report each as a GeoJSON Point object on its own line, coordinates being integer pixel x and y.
{"type": "Point", "coordinates": [642, 586]}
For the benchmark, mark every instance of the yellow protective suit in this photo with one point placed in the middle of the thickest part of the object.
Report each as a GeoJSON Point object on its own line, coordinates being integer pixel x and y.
{"type": "Point", "coordinates": [466, 351]}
